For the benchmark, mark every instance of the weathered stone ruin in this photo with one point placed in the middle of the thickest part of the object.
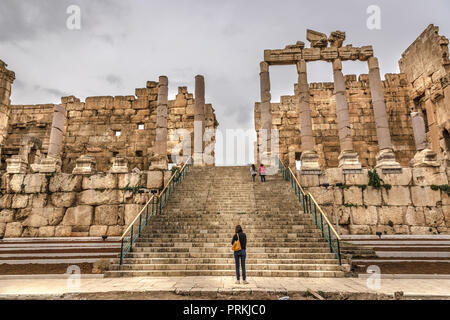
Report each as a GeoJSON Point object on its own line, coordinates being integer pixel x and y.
{"type": "Point", "coordinates": [341, 130]}
{"type": "Point", "coordinates": [87, 168]}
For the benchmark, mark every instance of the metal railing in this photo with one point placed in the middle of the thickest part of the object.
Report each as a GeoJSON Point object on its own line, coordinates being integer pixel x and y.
{"type": "Point", "coordinates": [310, 206]}
{"type": "Point", "coordinates": [152, 207]}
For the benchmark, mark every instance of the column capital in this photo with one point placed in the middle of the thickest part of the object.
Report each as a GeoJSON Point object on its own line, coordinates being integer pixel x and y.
{"type": "Point", "coordinates": [337, 64]}
{"type": "Point", "coordinates": [301, 66]}
{"type": "Point", "coordinates": [264, 66]}
{"type": "Point", "coordinates": [163, 81]}
{"type": "Point", "coordinates": [373, 63]}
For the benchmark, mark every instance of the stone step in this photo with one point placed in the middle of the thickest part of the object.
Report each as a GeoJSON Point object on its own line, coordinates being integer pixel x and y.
{"type": "Point", "coordinates": [227, 260]}
{"type": "Point", "coordinates": [228, 266]}
{"type": "Point", "coordinates": [250, 273]}
{"type": "Point", "coordinates": [226, 254]}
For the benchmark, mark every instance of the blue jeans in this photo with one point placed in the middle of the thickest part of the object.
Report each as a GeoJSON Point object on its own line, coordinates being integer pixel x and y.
{"type": "Point", "coordinates": [240, 255]}
{"type": "Point", "coordinates": [263, 178]}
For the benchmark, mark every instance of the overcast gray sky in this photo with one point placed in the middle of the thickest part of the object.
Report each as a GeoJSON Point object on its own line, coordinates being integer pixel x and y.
{"type": "Point", "coordinates": [122, 44]}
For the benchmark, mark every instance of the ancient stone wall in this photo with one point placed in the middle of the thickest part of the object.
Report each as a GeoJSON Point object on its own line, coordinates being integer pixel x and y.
{"type": "Point", "coordinates": [417, 201]}
{"type": "Point", "coordinates": [27, 120]}
{"type": "Point", "coordinates": [426, 63]}
{"type": "Point", "coordinates": [38, 205]}
{"type": "Point", "coordinates": [285, 118]}
{"type": "Point", "coordinates": [105, 127]}
{"type": "Point", "coordinates": [6, 79]}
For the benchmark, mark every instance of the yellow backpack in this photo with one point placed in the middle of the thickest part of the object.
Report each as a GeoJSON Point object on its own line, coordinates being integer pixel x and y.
{"type": "Point", "coordinates": [237, 244]}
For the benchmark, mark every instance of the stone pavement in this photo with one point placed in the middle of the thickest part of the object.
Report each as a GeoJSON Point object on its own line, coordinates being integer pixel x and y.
{"type": "Point", "coordinates": [45, 288]}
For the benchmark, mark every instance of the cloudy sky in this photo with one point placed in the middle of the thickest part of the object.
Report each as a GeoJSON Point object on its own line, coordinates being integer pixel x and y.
{"type": "Point", "coordinates": [122, 44]}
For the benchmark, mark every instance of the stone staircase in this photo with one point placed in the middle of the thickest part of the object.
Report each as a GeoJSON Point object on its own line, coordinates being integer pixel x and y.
{"type": "Point", "coordinates": [192, 237]}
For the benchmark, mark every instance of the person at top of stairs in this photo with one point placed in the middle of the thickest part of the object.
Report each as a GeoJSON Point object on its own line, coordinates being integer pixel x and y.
{"type": "Point", "coordinates": [241, 254]}
{"type": "Point", "coordinates": [262, 172]}
{"type": "Point", "coordinates": [253, 172]}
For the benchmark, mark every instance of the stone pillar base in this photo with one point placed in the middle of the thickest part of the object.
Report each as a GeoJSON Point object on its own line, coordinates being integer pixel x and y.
{"type": "Point", "coordinates": [119, 165]}
{"type": "Point", "coordinates": [349, 162]}
{"type": "Point", "coordinates": [47, 165]}
{"type": "Point", "coordinates": [198, 159]}
{"type": "Point", "coordinates": [85, 165]}
{"type": "Point", "coordinates": [16, 164]}
{"type": "Point", "coordinates": [387, 163]}
{"type": "Point", "coordinates": [426, 158]}
{"type": "Point", "coordinates": [155, 180]}
{"type": "Point", "coordinates": [310, 163]}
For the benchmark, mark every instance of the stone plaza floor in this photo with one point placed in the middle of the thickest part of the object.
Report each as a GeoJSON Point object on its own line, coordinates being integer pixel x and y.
{"type": "Point", "coordinates": [212, 286]}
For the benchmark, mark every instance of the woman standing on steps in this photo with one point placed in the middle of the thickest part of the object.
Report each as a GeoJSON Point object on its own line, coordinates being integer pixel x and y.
{"type": "Point", "coordinates": [239, 243]}
{"type": "Point", "coordinates": [262, 172]}
{"type": "Point", "coordinates": [253, 172]}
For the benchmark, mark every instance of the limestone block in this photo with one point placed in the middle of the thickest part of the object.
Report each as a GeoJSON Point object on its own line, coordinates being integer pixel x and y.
{"type": "Point", "coordinates": [414, 216]}
{"type": "Point", "coordinates": [35, 183]}
{"type": "Point", "coordinates": [446, 213]}
{"type": "Point", "coordinates": [38, 200]}
{"type": "Point", "coordinates": [131, 180]}
{"type": "Point", "coordinates": [48, 231]}
{"type": "Point", "coordinates": [393, 214]}
{"type": "Point", "coordinates": [444, 195]}
{"type": "Point", "coordinates": [332, 176]}
{"type": "Point", "coordinates": [322, 195]}
{"type": "Point", "coordinates": [421, 230]}
{"type": "Point", "coordinates": [396, 196]}
{"type": "Point", "coordinates": [40, 217]}
{"type": "Point", "coordinates": [384, 229]}
{"type": "Point", "coordinates": [154, 179]}
{"type": "Point", "coordinates": [131, 210]}
{"type": "Point", "coordinates": [100, 181]}
{"type": "Point", "coordinates": [353, 195]}
{"type": "Point", "coordinates": [63, 231]}
{"type": "Point", "coordinates": [16, 183]}
{"type": "Point", "coordinates": [6, 215]}
{"type": "Point", "coordinates": [63, 199]}
{"type": "Point", "coordinates": [343, 215]}
{"type": "Point", "coordinates": [356, 229]}
{"type": "Point", "coordinates": [30, 232]}
{"type": "Point", "coordinates": [108, 215]}
{"type": "Point", "coordinates": [6, 201]}
{"type": "Point", "coordinates": [78, 216]}
{"type": "Point", "coordinates": [363, 216]}
{"type": "Point", "coordinates": [397, 179]}
{"type": "Point", "coordinates": [308, 180]}
{"type": "Point", "coordinates": [338, 196]}
{"type": "Point", "coordinates": [114, 231]}
{"type": "Point", "coordinates": [372, 197]}
{"type": "Point", "coordinates": [425, 196]}
{"type": "Point", "coordinates": [357, 178]}
{"type": "Point", "coordinates": [97, 231]}
{"type": "Point", "coordinates": [425, 176]}
{"type": "Point", "coordinates": [19, 201]}
{"type": "Point", "coordinates": [13, 230]}
{"type": "Point", "coordinates": [434, 217]}
{"type": "Point", "coordinates": [65, 182]}
{"type": "Point", "coordinates": [97, 197]}
{"type": "Point", "coordinates": [2, 228]}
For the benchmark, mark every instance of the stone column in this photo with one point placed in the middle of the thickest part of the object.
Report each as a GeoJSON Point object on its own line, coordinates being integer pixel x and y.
{"type": "Point", "coordinates": [7, 78]}
{"type": "Point", "coordinates": [161, 118]}
{"type": "Point", "coordinates": [385, 158]}
{"type": "Point", "coordinates": [309, 158]}
{"type": "Point", "coordinates": [424, 156]}
{"type": "Point", "coordinates": [199, 120]}
{"type": "Point", "coordinates": [52, 163]}
{"type": "Point", "coordinates": [57, 131]}
{"type": "Point", "coordinates": [158, 161]}
{"type": "Point", "coordinates": [266, 113]}
{"type": "Point", "coordinates": [348, 158]}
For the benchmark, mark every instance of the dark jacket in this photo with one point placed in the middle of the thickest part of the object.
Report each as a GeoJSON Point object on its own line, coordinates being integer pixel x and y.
{"type": "Point", "coordinates": [242, 240]}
